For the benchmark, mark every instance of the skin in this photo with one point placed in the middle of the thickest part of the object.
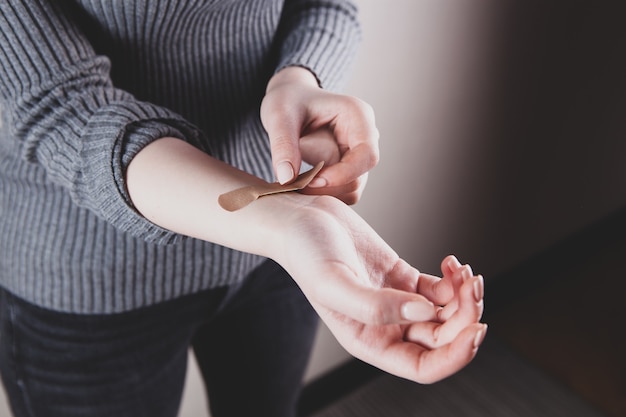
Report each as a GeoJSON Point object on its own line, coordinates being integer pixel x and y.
{"type": "Point", "coordinates": [381, 309]}
{"type": "Point", "coordinates": [305, 122]}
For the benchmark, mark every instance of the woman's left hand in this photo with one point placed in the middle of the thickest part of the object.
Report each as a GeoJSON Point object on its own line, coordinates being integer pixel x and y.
{"type": "Point", "coordinates": [378, 307]}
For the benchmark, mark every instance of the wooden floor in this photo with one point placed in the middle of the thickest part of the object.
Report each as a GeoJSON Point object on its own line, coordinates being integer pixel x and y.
{"type": "Point", "coordinates": [572, 324]}
{"type": "Point", "coordinates": [485, 388]}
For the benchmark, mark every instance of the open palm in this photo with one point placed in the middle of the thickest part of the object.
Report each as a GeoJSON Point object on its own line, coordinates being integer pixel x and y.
{"type": "Point", "coordinates": [379, 308]}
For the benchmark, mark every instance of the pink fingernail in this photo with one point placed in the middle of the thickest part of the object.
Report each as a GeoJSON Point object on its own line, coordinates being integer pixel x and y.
{"type": "Point", "coordinates": [284, 172]}
{"type": "Point", "coordinates": [318, 182]}
{"type": "Point", "coordinates": [479, 288]}
{"type": "Point", "coordinates": [418, 311]}
{"type": "Point", "coordinates": [453, 263]}
{"type": "Point", "coordinates": [466, 273]}
{"type": "Point", "coordinates": [480, 336]}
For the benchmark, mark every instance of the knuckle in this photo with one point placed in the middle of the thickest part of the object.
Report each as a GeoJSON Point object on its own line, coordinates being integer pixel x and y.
{"type": "Point", "coordinates": [281, 140]}
{"type": "Point", "coordinates": [282, 144]}
{"type": "Point", "coordinates": [374, 157]}
{"type": "Point", "coordinates": [436, 336]}
{"type": "Point", "coordinates": [359, 107]}
{"type": "Point", "coordinates": [369, 156]}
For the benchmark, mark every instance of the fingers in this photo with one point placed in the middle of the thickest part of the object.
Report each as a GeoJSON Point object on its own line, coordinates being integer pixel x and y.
{"type": "Point", "coordinates": [371, 305]}
{"type": "Point", "coordinates": [450, 265]}
{"type": "Point", "coordinates": [462, 275]}
{"type": "Point", "coordinates": [419, 349]}
{"type": "Point", "coordinates": [283, 112]}
{"type": "Point", "coordinates": [454, 272]}
{"type": "Point", "coordinates": [470, 309]}
{"type": "Point", "coordinates": [423, 365]}
{"type": "Point", "coordinates": [293, 109]}
{"type": "Point", "coordinates": [349, 193]}
{"type": "Point", "coordinates": [353, 126]}
{"type": "Point", "coordinates": [320, 145]}
{"type": "Point", "coordinates": [437, 364]}
{"type": "Point", "coordinates": [285, 151]}
{"type": "Point", "coordinates": [390, 306]}
{"type": "Point", "coordinates": [441, 291]}
{"type": "Point", "coordinates": [283, 124]}
{"type": "Point", "coordinates": [353, 164]}
{"type": "Point", "coordinates": [444, 291]}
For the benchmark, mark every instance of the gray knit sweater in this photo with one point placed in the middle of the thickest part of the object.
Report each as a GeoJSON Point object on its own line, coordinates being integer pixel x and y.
{"type": "Point", "coordinates": [85, 84]}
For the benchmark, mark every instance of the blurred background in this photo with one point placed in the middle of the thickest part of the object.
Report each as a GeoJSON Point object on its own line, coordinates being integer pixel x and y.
{"type": "Point", "coordinates": [502, 125]}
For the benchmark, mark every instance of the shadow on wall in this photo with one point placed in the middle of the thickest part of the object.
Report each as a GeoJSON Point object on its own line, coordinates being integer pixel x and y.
{"type": "Point", "coordinates": [501, 125]}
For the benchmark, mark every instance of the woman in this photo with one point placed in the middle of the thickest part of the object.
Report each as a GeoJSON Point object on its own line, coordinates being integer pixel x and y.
{"type": "Point", "coordinates": [122, 124]}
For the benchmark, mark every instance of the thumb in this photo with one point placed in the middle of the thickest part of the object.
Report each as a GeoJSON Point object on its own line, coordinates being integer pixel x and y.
{"type": "Point", "coordinates": [376, 306]}
{"type": "Point", "coordinates": [284, 135]}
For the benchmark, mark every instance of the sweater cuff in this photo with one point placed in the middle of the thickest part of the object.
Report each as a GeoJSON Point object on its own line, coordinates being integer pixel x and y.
{"type": "Point", "coordinates": [114, 135]}
{"type": "Point", "coordinates": [322, 37]}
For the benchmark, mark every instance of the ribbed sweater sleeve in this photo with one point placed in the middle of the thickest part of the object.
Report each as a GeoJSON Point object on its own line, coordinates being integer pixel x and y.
{"type": "Point", "coordinates": [322, 36]}
{"type": "Point", "coordinates": [86, 84]}
{"type": "Point", "coordinates": [69, 119]}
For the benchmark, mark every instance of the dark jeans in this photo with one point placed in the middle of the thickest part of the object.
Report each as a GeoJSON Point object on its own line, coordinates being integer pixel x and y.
{"type": "Point", "coordinates": [252, 343]}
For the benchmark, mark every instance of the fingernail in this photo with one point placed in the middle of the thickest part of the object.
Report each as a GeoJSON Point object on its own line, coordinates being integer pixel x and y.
{"type": "Point", "coordinates": [318, 182]}
{"type": "Point", "coordinates": [480, 336]}
{"type": "Point", "coordinates": [439, 314]}
{"type": "Point", "coordinates": [466, 273]}
{"type": "Point", "coordinates": [479, 288]}
{"type": "Point", "coordinates": [453, 263]}
{"type": "Point", "coordinates": [418, 311]}
{"type": "Point", "coordinates": [284, 172]}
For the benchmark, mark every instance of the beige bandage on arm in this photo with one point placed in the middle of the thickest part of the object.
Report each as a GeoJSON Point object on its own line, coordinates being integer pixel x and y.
{"type": "Point", "coordinates": [241, 197]}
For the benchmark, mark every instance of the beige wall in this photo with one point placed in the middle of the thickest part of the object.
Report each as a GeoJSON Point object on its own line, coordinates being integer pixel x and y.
{"type": "Point", "coordinates": [501, 124]}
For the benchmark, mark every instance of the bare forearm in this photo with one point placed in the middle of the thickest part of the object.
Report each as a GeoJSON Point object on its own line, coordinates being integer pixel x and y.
{"type": "Point", "coordinates": [176, 186]}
